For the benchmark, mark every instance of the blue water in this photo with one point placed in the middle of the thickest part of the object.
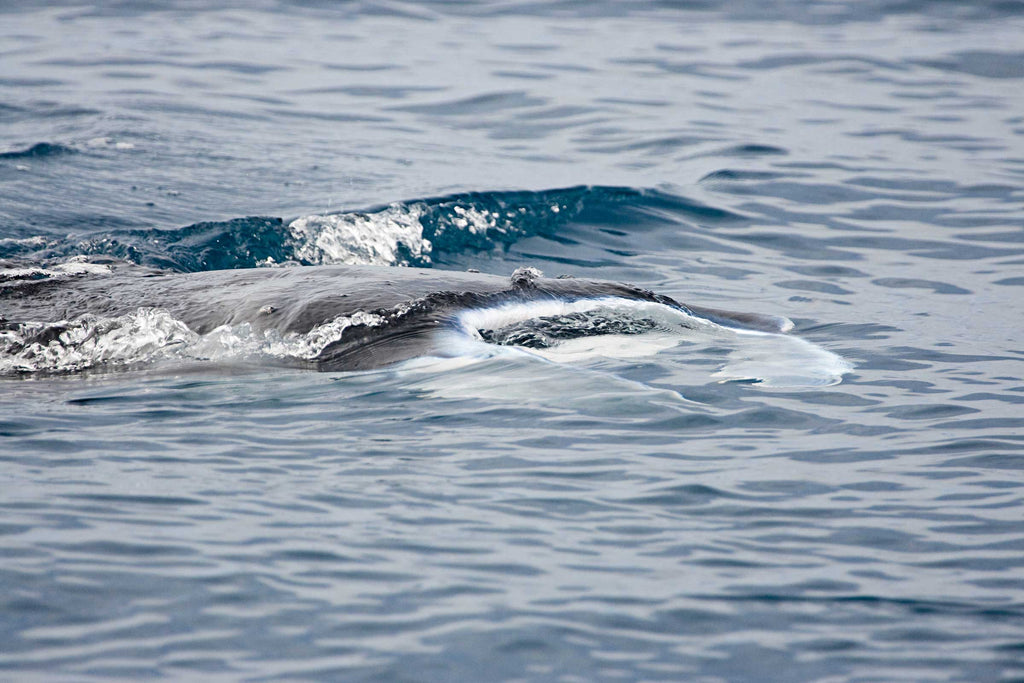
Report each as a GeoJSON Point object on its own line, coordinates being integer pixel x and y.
{"type": "Point", "coordinates": [856, 167]}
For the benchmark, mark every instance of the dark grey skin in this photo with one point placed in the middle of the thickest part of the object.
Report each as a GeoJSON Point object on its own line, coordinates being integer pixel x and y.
{"type": "Point", "coordinates": [413, 302]}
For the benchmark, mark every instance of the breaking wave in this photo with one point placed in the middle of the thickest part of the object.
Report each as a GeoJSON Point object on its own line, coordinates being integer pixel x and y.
{"type": "Point", "coordinates": [421, 232]}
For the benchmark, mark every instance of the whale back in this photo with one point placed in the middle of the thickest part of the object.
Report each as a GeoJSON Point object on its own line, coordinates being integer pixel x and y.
{"type": "Point", "coordinates": [392, 313]}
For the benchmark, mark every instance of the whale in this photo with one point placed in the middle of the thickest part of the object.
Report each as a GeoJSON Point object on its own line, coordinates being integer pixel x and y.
{"type": "Point", "coordinates": [390, 314]}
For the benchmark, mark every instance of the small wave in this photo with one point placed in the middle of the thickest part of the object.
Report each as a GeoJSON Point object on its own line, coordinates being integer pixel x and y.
{"type": "Point", "coordinates": [437, 230]}
{"type": "Point", "coordinates": [78, 265]}
{"type": "Point", "coordinates": [984, 63]}
{"type": "Point", "coordinates": [419, 232]}
{"type": "Point", "coordinates": [422, 232]}
{"type": "Point", "coordinates": [219, 245]}
{"type": "Point", "coordinates": [38, 150]}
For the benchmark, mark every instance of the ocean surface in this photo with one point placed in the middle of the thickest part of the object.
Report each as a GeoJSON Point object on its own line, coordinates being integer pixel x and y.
{"type": "Point", "coordinates": [842, 503]}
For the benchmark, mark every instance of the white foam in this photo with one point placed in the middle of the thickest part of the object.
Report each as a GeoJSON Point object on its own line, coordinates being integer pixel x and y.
{"type": "Point", "coordinates": [77, 265]}
{"type": "Point", "coordinates": [92, 340]}
{"type": "Point", "coordinates": [152, 334]}
{"type": "Point", "coordinates": [474, 220]}
{"type": "Point", "coordinates": [237, 342]}
{"type": "Point", "coordinates": [395, 235]}
{"type": "Point", "coordinates": [109, 142]}
{"type": "Point", "coordinates": [361, 239]}
{"type": "Point", "coordinates": [770, 359]}
{"type": "Point", "coordinates": [34, 241]}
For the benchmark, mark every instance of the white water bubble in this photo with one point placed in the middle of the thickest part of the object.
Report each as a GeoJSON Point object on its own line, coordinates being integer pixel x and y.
{"type": "Point", "coordinates": [90, 341]}
{"type": "Point", "coordinates": [377, 239]}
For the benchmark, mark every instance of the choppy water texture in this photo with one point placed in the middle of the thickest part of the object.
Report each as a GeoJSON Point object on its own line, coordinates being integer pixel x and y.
{"type": "Point", "coordinates": [639, 509]}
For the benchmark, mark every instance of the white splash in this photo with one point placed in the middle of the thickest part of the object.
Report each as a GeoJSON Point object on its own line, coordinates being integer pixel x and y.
{"type": "Point", "coordinates": [240, 342]}
{"type": "Point", "coordinates": [394, 236]}
{"type": "Point", "coordinates": [362, 238]}
{"type": "Point", "coordinates": [474, 220]}
{"type": "Point", "coordinates": [148, 335]}
{"type": "Point", "coordinates": [77, 265]}
{"type": "Point", "coordinates": [90, 341]}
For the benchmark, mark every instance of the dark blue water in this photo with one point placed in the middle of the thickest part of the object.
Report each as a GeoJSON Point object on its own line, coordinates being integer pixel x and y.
{"type": "Point", "coordinates": [706, 511]}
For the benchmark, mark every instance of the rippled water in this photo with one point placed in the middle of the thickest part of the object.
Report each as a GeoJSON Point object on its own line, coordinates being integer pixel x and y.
{"type": "Point", "coordinates": [641, 511]}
